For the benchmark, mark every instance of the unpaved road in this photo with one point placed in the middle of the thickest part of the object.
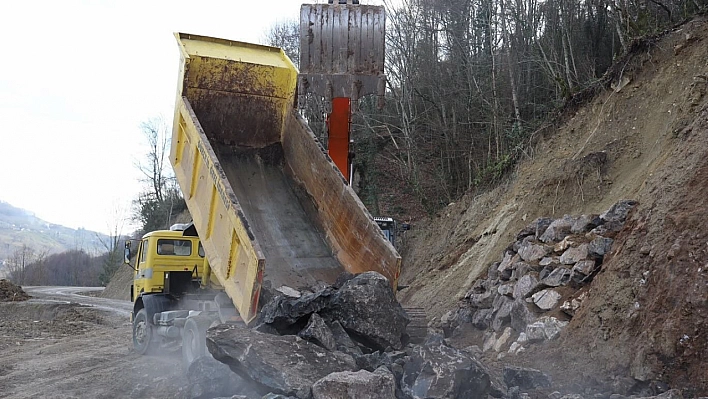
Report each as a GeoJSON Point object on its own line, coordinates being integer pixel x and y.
{"type": "Point", "coordinates": [61, 344]}
{"type": "Point", "coordinates": [82, 296]}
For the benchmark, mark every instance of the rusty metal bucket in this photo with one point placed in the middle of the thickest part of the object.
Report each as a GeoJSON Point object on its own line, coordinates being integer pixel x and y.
{"type": "Point", "coordinates": [341, 50]}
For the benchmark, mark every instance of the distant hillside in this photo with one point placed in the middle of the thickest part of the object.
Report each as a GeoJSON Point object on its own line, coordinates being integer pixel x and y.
{"type": "Point", "coordinates": [19, 226]}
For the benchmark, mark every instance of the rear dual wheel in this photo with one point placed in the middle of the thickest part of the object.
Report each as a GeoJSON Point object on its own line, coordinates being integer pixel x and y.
{"type": "Point", "coordinates": [194, 339]}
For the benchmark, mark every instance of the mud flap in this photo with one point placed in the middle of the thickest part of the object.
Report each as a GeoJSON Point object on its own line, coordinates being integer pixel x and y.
{"type": "Point", "coordinates": [156, 303]}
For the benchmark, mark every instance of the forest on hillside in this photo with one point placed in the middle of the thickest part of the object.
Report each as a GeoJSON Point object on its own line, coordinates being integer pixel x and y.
{"type": "Point", "coordinates": [471, 83]}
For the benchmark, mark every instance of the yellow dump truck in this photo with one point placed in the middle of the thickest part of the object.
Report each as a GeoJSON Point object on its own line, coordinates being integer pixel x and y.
{"type": "Point", "coordinates": [267, 203]}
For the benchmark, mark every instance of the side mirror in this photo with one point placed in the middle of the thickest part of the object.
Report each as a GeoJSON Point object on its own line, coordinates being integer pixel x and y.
{"type": "Point", "coordinates": [127, 253]}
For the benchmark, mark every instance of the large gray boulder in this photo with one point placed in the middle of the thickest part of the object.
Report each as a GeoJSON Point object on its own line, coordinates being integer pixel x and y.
{"type": "Point", "coordinates": [286, 365]}
{"type": "Point", "coordinates": [557, 278]}
{"type": "Point", "coordinates": [586, 267]}
{"type": "Point", "coordinates": [546, 299]}
{"type": "Point", "coordinates": [599, 246]}
{"type": "Point", "coordinates": [355, 385]}
{"type": "Point", "coordinates": [506, 267]}
{"type": "Point", "coordinates": [483, 300]}
{"type": "Point", "coordinates": [614, 218]}
{"type": "Point", "coordinates": [525, 378]}
{"type": "Point", "coordinates": [436, 370]}
{"type": "Point", "coordinates": [502, 316]}
{"type": "Point", "coordinates": [317, 332]}
{"type": "Point", "coordinates": [367, 308]}
{"type": "Point", "coordinates": [342, 341]}
{"type": "Point", "coordinates": [619, 211]}
{"type": "Point", "coordinates": [585, 223]}
{"type": "Point", "coordinates": [558, 230]}
{"type": "Point", "coordinates": [521, 316]}
{"type": "Point", "coordinates": [209, 378]}
{"type": "Point", "coordinates": [573, 255]}
{"type": "Point", "coordinates": [283, 312]}
{"type": "Point", "coordinates": [534, 252]}
{"type": "Point", "coordinates": [525, 286]}
{"type": "Point", "coordinates": [535, 228]}
{"type": "Point", "coordinates": [583, 272]}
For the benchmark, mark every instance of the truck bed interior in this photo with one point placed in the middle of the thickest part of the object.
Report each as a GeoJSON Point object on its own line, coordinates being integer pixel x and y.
{"type": "Point", "coordinates": [280, 217]}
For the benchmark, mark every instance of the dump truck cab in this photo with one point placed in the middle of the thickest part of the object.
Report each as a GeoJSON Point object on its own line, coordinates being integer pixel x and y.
{"type": "Point", "coordinates": [175, 297]}
{"type": "Point", "coordinates": [167, 262]}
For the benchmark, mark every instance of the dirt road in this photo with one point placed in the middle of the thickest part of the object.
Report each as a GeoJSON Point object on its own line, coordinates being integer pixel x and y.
{"type": "Point", "coordinates": [62, 344]}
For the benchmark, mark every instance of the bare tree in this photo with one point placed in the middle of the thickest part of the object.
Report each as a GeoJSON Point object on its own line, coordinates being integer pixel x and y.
{"type": "Point", "coordinates": [19, 262]}
{"type": "Point", "coordinates": [155, 168]}
{"type": "Point", "coordinates": [37, 273]}
{"type": "Point", "coordinates": [155, 207]}
{"type": "Point", "coordinates": [286, 35]}
{"type": "Point", "coordinates": [112, 244]}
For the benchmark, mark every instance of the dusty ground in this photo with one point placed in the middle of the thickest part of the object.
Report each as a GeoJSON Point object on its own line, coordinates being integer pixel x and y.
{"type": "Point", "coordinates": [53, 347]}
{"type": "Point", "coordinates": [646, 314]}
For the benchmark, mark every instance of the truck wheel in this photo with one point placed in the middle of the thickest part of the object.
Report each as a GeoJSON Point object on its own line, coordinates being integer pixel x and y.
{"type": "Point", "coordinates": [194, 339]}
{"type": "Point", "coordinates": [143, 333]}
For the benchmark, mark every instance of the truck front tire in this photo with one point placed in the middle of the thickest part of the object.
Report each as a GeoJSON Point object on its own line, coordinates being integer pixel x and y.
{"type": "Point", "coordinates": [143, 332]}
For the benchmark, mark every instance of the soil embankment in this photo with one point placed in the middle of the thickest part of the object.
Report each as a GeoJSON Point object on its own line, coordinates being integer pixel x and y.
{"type": "Point", "coordinates": [644, 137]}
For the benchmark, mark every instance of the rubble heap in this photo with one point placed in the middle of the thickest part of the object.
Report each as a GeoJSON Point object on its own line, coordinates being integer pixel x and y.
{"type": "Point", "coordinates": [348, 340]}
{"type": "Point", "coordinates": [10, 292]}
{"type": "Point", "coordinates": [540, 282]}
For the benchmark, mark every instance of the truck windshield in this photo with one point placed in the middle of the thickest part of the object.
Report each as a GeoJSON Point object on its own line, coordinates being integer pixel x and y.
{"type": "Point", "coordinates": [174, 247]}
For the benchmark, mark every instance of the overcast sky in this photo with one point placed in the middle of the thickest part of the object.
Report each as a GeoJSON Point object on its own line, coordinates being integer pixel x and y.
{"type": "Point", "coordinates": [76, 80]}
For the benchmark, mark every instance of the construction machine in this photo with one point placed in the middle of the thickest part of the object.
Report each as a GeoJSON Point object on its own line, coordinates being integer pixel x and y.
{"type": "Point", "coordinates": [341, 59]}
{"type": "Point", "coordinates": [267, 202]}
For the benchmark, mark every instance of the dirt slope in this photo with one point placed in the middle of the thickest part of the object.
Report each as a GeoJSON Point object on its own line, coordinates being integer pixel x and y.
{"type": "Point", "coordinates": [119, 287]}
{"type": "Point", "coordinates": [646, 314]}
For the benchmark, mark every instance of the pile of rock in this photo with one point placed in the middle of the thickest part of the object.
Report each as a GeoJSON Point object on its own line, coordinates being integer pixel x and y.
{"type": "Point", "coordinates": [538, 285]}
{"type": "Point", "coordinates": [350, 340]}
{"type": "Point", "coordinates": [10, 292]}
{"type": "Point", "coordinates": [347, 340]}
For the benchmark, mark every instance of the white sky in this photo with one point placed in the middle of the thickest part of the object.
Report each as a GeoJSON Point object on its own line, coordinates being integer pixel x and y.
{"type": "Point", "coordinates": [76, 80]}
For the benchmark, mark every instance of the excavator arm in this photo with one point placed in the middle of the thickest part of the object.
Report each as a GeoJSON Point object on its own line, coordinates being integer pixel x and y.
{"type": "Point", "coordinates": [341, 59]}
